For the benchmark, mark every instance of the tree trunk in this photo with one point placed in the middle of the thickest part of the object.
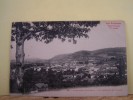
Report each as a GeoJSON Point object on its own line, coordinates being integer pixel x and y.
{"type": "Point", "coordinates": [20, 53]}
{"type": "Point", "coordinates": [19, 63]}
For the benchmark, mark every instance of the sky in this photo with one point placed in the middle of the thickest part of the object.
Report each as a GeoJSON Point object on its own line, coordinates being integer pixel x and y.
{"type": "Point", "coordinates": [107, 34]}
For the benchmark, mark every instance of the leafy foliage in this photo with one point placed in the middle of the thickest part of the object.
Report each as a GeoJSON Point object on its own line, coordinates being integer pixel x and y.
{"type": "Point", "coordinates": [47, 31]}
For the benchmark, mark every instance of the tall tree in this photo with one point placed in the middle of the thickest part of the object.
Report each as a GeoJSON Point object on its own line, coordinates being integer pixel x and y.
{"type": "Point", "coordinates": [46, 32]}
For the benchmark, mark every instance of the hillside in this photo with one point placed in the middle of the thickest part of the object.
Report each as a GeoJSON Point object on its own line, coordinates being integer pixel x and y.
{"type": "Point", "coordinates": [85, 55]}
{"type": "Point", "coordinates": [81, 55]}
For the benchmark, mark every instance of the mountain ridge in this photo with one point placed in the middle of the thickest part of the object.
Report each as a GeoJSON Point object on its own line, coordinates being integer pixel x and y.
{"type": "Point", "coordinates": [80, 55]}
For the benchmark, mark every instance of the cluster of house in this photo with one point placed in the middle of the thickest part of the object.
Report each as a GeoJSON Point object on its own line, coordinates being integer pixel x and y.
{"type": "Point", "coordinates": [80, 67]}
{"type": "Point", "coordinates": [85, 70]}
{"type": "Point", "coordinates": [93, 66]}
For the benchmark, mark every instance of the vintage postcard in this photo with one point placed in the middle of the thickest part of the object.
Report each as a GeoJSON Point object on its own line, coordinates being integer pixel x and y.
{"type": "Point", "coordinates": [68, 58]}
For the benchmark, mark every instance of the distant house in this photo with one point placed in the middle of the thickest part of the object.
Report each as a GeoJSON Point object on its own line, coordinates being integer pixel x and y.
{"type": "Point", "coordinates": [39, 69]}
{"type": "Point", "coordinates": [41, 86]}
{"type": "Point", "coordinates": [68, 77]}
{"type": "Point", "coordinates": [80, 75]}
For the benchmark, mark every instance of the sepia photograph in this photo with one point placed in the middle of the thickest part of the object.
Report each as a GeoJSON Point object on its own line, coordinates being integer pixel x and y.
{"type": "Point", "coordinates": [68, 58]}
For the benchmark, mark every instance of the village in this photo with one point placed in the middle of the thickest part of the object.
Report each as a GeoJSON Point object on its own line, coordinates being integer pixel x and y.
{"type": "Point", "coordinates": [79, 69]}
{"type": "Point", "coordinates": [92, 72]}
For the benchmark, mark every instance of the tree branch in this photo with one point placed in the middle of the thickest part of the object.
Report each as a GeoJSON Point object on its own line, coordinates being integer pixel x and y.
{"type": "Point", "coordinates": [25, 36]}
